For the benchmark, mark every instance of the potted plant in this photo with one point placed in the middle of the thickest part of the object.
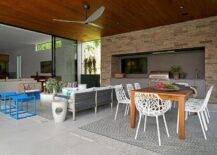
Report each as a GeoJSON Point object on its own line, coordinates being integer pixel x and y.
{"type": "Point", "coordinates": [182, 75]}
{"type": "Point", "coordinates": [89, 65]}
{"type": "Point", "coordinates": [175, 71]}
{"type": "Point", "coordinates": [85, 65]}
{"type": "Point", "coordinates": [94, 65]}
{"type": "Point", "coordinates": [53, 85]}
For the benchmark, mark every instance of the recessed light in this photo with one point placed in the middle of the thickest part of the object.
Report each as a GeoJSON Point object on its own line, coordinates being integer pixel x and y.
{"type": "Point", "coordinates": [181, 7]}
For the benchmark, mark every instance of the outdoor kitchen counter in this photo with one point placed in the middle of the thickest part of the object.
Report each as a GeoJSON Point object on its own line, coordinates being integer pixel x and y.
{"type": "Point", "coordinates": [199, 84]}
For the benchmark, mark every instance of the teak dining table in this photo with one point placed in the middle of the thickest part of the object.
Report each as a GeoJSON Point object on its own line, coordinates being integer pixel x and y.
{"type": "Point", "coordinates": [179, 96]}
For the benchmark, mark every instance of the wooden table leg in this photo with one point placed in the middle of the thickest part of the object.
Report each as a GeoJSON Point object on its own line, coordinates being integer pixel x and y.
{"type": "Point", "coordinates": [181, 104]}
{"type": "Point", "coordinates": [133, 111]}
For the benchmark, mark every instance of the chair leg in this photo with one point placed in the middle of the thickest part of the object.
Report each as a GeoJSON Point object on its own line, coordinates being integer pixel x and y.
{"type": "Point", "coordinates": [207, 112]}
{"type": "Point", "coordinates": [186, 115]}
{"type": "Point", "coordinates": [73, 115]}
{"type": "Point", "coordinates": [112, 100]}
{"type": "Point", "coordinates": [158, 131]}
{"type": "Point", "coordinates": [125, 112]}
{"type": "Point", "coordinates": [204, 121]}
{"type": "Point", "coordinates": [165, 123]}
{"type": "Point", "coordinates": [116, 113]}
{"type": "Point", "coordinates": [111, 105]}
{"type": "Point", "coordinates": [128, 109]}
{"type": "Point", "coordinates": [145, 123]}
{"type": "Point", "coordinates": [177, 126]}
{"type": "Point", "coordinates": [137, 130]}
{"type": "Point", "coordinates": [174, 105]}
{"type": "Point", "coordinates": [207, 117]}
{"type": "Point", "coordinates": [201, 123]}
{"type": "Point", "coordinates": [95, 109]}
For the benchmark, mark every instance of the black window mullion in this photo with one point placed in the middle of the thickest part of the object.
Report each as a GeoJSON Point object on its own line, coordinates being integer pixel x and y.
{"type": "Point", "coordinates": [53, 51]}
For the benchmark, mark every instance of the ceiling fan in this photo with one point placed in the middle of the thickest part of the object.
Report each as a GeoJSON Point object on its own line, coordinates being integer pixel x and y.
{"type": "Point", "coordinates": [88, 20]}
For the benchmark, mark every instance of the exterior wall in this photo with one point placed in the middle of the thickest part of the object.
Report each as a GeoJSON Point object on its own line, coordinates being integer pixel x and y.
{"type": "Point", "coordinates": [196, 33]}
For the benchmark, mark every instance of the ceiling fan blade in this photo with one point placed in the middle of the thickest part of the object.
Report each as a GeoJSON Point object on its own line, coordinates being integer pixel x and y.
{"type": "Point", "coordinates": [95, 25]}
{"type": "Point", "coordinates": [95, 15]}
{"type": "Point", "coordinates": [69, 21]}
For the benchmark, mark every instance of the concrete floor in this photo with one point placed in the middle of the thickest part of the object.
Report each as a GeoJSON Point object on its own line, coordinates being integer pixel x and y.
{"type": "Point", "coordinates": [40, 136]}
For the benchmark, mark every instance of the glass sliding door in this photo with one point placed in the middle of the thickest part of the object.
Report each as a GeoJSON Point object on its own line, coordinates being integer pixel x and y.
{"type": "Point", "coordinates": [65, 59]}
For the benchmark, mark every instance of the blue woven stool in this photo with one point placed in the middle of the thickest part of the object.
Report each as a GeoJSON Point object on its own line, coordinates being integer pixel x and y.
{"type": "Point", "coordinates": [5, 101]}
{"type": "Point", "coordinates": [23, 106]}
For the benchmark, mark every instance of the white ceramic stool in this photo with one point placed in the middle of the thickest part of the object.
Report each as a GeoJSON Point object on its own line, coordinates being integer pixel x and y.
{"type": "Point", "coordinates": [59, 109]}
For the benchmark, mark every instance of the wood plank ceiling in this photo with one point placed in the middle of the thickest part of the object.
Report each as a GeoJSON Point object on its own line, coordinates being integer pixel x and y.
{"type": "Point", "coordinates": [120, 15]}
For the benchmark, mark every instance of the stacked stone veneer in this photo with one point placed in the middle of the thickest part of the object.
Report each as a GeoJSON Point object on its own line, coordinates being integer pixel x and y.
{"type": "Point", "coordinates": [196, 33]}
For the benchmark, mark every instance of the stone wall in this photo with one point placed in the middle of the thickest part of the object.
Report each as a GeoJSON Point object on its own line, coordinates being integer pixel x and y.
{"type": "Point", "coordinates": [196, 33]}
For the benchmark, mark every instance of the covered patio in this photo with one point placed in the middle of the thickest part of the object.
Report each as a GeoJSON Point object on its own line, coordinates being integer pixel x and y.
{"type": "Point", "coordinates": [107, 77]}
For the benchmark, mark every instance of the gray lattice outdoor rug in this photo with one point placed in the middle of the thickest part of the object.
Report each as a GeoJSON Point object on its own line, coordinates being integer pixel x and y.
{"type": "Point", "coordinates": [193, 144]}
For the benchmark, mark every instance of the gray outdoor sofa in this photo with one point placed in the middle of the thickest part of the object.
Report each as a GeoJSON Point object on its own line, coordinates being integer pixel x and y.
{"type": "Point", "coordinates": [82, 100]}
{"type": "Point", "coordinates": [104, 95]}
{"type": "Point", "coordinates": [90, 98]}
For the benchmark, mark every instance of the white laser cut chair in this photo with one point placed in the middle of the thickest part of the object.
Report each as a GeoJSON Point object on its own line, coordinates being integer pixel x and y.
{"type": "Point", "coordinates": [199, 107]}
{"type": "Point", "coordinates": [196, 102]}
{"type": "Point", "coordinates": [182, 84]}
{"type": "Point", "coordinates": [137, 86]}
{"type": "Point", "coordinates": [187, 85]}
{"type": "Point", "coordinates": [122, 99]}
{"type": "Point", "coordinates": [129, 89]}
{"type": "Point", "coordinates": [150, 104]}
{"type": "Point", "coordinates": [200, 101]}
